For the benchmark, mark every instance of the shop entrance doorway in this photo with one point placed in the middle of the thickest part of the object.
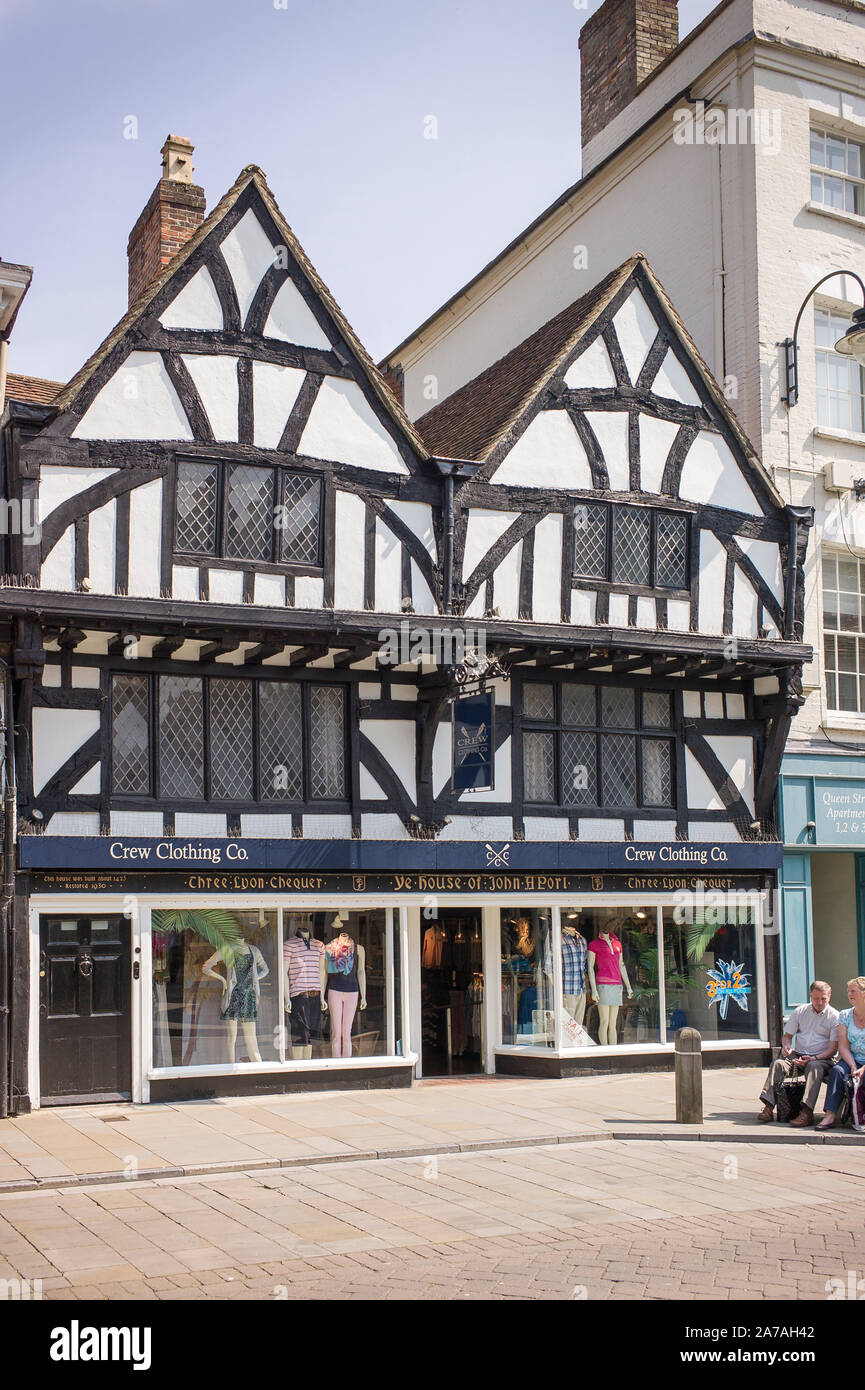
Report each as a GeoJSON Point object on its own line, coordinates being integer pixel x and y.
{"type": "Point", "coordinates": [84, 1009]}
{"type": "Point", "coordinates": [452, 994]}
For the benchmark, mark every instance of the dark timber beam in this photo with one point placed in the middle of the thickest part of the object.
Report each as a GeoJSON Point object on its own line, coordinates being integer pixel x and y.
{"type": "Point", "coordinates": [304, 655]}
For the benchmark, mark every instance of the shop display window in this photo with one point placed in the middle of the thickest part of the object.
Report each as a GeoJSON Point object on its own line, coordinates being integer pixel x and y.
{"type": "Point", "coordinates": [710, 968]}
{"type": "Point", "coordinates": [619, 945]}
{"type": "Point", "coordinates": [528, 1009]}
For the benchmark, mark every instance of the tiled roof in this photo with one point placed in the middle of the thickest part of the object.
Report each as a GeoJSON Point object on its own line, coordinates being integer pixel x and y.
{"type": "Point", "coordinates": [31, 390]}
{"type": "Point", "coordinates": [470, 421]}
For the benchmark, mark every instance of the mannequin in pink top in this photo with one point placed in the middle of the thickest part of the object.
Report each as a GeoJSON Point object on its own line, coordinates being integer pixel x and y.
{"type": "Point", "coordinates": [607, 975]}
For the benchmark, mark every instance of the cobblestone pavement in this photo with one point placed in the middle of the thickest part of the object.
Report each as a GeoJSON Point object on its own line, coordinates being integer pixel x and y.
{"type": "Point", "coordinates": [655, 1219]}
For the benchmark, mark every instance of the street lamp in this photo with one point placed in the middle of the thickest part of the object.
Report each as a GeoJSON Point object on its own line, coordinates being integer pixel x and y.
{"type": "Point", "coordinates": [851, 345]}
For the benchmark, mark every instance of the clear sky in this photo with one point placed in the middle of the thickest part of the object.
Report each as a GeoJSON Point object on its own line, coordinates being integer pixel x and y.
{"type": "Point", "coordinates": [329, 97]}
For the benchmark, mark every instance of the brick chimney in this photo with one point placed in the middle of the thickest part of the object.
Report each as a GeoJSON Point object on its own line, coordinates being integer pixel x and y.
{"type": "Point", "coordinates": [621, 44]}
{"type": "Point", "coordinates": [174, 211]}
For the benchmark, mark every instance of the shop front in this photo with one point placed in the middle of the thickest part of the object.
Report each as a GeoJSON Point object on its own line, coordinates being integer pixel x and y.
{"type": "Point", "coordinates": [171, 969]}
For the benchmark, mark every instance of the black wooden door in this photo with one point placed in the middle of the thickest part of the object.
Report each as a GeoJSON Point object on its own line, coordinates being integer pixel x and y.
{"type": "Point", "coordinates": [84, 1007]}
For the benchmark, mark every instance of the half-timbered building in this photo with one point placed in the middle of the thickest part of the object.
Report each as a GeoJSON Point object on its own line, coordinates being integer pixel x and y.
{"type": "Point", "coordinates": [237, 633]}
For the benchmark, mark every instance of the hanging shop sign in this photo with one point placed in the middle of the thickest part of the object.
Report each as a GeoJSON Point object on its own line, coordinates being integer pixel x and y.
{"type": "Point", "coordinates": [474, 743]}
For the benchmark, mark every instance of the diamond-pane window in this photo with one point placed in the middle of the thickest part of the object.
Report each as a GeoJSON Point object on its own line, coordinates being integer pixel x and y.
{"type": "Point", "coordinates": [539, 701]}
{"type": "Point", "coordinates": [579, 706]}
{"type": "Point", "coordinates": [617, 708]}
{"type": "Point", "coordinates": [632, 545]}
{"type": "Point", "coordinates": [619, 770]}
{"type": "Point", "coordinates": [657, 709]}
{"type": "Point", "coordinates": [299, 519]}
{"type": "Point", "coordinates": [181, 737]}
{"type": "Point", "coordinates": [539, 766]}
{"type": "Point", "coordinates": [590, 539]}
{"type": "Point", "coordinates": [195, 528]}
{"type": "Point", "coordinates": [657, 756]}
{"type": "Point", "coordinates": [231, 740]}
{"type": "Point", "coordinates": [249, 516]}
{"type": "Point", "coordinates": [280, 734]}
{"type": "Point", "coordinates": [130, 734]}
{"type": "Point", "coordinates": [671, 550]}
{"type": "Point", "coordinates": [579, 769]}
{"type": "Point", "coordinates": [327, 742]}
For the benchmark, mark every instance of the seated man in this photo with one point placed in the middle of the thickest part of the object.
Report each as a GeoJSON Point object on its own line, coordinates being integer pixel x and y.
{"type": "Point", "coordinates": [814, 1028]}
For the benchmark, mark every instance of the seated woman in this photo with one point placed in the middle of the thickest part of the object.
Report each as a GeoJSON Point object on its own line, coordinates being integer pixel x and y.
{"type": "Point", "coordinates": [851, 1050]}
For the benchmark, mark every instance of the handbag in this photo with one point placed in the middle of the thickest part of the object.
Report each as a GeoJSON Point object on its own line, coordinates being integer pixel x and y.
{"type": "Point", "coordinates": [790, 1095]}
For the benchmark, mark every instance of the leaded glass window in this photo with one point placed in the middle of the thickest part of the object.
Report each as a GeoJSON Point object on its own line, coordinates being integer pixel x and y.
{"type": "Point", "coordinates": [640, 547]}
{"type": "Point", "coordinates": [181, 737]}
{"type": "Point", "coordinates": [130, 734]}
{"type": "Point", "coordinates": [244, 511]}
{"type": "Point", "coordinates": [280, 714]}
{"type": "Point", "coordinates": [589, 745]}
{"type": "Point", "coordinates": [231, 772]}
{"type": "Point", "coordinates": [196, 505]}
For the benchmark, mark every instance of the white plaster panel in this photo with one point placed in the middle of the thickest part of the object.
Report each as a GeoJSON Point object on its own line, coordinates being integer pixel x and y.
{"type": "Point", "coordinates": [136, 823]}
{"type": "Point", "coordinates": [327, 827]}
{"type": "Point", "coordinates": [226, 586]}
{"type": "Point", "coordinates": [618, 610]}
{"type": "Point", "coordinates": [678, 615]}
{"type": "Point", "coordinates": [349, 550]}
{"type": "Point", "coordinates": [419, 520]}
{"type": "Point", "coordinates": [138, 402]}
{"type": "Point", "coordinates": [483, 530]}
{"type": "Point", "coordinates": [721, 832]}
{"type": "Point", "coordinates": [51, 675]}
{"type": "Point", "coordinates": [646, 612]}
{"type": "Point", "coordinates": [636, 329]}
{"type": "Point", "coordinates": [258, 827]}
{"type": "Point", "coordinates": [691, 704]}
{"type": "Point", "coordinates": [292, 321]}
{"type": "Point", "coordinates": [248, 254]}
{"type": "Point", "coordinates": [382, 827]}
{"type": "Point", "coordinates": [506, 583]}
{"type": "Point", "coordinates": [343, 427]}
{"type": "Point", "coordinates": [601, 830]}
{"type": "Point", "coordinates": [90, 784]}
{"type": "Point", "coordinates": [274, 392]}
{"type": "Point", "coordinates": [545, 828]}
{"type": "Point", "coordinates": [58, 571]}
{"type": "Point", "coordinates": [421, 594]}
{"type": "Point", "coordinates": [654, 830]}
{"type": "Point", "coordinates": [369, 690]}
{"type": "Point", "coordinates": [744, 607]}
{"type": "Point", "coordinates": [592, 369]}
{"type": "Point", "coordinates": [395, 739]}
{"type": "Point", "coordinates": [103, 547]}
{"type": "Point", "coordinates": [73, 823]}
{"type": "Point", "coordinates": [701, 794]}
{"type": "Point", "coordinates": [85, 677]}
{"type": "Point", "coordinates": [190, 650]}
{"type": "Point", "coordinates": [476, 607]}
{"type": "Point", "coordinates": [547, 570]}
{"type": "Point", "coordinates": [200, 823]}
{"type": "Point", "coordinates": [492, 828]}
{"type": "Point", "coordinates": [673, 382]}
{"type": "Point", "coordinates": [584, 603]}
{"type": "Point", "coordinates": [736, 754]}
{"type": "Point", "coordinates": [369, 787]}
{"type": "Point", "coordinates": [215, 380]}
{"type": "Point", "coordinates": [197, 305]}
{"type": "Point", "coordinates": [57, 734]}
{"type": "Point", "coordinates": [713, 570]}
{"type": "Point", "coordinates": [145, 529]}
{"type": "Point", "coordinates": [442, 756]}
{"type": "Point", "coordinates": [388, 569]}
{"type": "Point", "coordinates": [611, 429]}
{"type": "Point", "coordinates": [407, 693]}
{"type": "Point", "coordinates": [269, 590]}
{"type": "Point", "coordinates": [765, 556]}
{"type": "Point", "coordinates": [710, 473]}
{"type": "Point", "coordinates": [502, 789]}
{"type": "Point", "coordinates": [549, 453]}
{"type": "Point", "coordinates": [766, 685]}
{"type": "Point", "coordinates": [735, 706]}
{"type": "Point", "coordinates": [184, 582]}
{"type": "Point", "coordinates": [58, 484]}
{"type": "Point", "coordinates": [714, 704]}
{"type": "Point", "coordinates": [308, 591]}
{"type": "Point", "coordinates": [656, 441]}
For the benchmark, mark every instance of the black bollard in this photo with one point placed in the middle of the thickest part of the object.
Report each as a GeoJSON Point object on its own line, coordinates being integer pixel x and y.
{"type": "Point", "coordinates": [689, 1077]}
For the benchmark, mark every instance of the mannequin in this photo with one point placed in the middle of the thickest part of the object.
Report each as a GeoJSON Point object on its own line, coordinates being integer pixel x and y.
{"type": "Point", "coordinates": [343, 976]}
{"type": "Point", "coordinates": [607, 975]}
{"type": "Point", "coordinates": [525, 942]}
{"type": "Point", "coordinates": [304, 999]}
{"type": "Point", "coordinates": [574, 952]}
{"type": "Point", "coordinates": [246, 967]}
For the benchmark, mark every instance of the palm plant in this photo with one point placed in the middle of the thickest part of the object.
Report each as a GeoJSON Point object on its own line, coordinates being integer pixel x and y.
{"type": "Point", "coordinates": [217, 926]}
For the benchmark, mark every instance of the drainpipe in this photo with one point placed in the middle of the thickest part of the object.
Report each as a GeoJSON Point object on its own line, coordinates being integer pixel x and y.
{"type": "Point", "coordinates": [7, 893]}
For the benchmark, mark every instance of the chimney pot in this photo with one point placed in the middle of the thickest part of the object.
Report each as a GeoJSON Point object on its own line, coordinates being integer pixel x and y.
{"type": "Point", "coordinates": [177, 159]}
{"type": "Point", "coordinates": [174, 210]}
